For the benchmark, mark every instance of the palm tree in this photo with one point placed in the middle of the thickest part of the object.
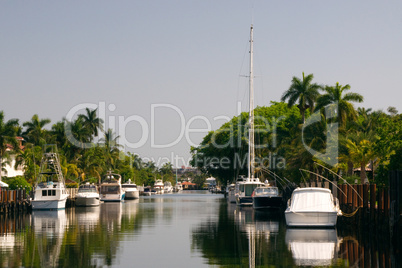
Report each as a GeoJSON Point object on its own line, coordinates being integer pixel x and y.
{"type": "Point", "coordinates": [335, 95]}
{"type": "Point", "coordinates": [8, 140]}
{"type": "Point", "coordinates": [111, 147]}
{"type": "Point", "coordinates": [76, 132]}
{"type": "Point", "coordinates": [34, 132]}
{"type": "Point", "coordinates": [302, 91]}
{"type": "Point", "coordinates": [58, 133]}
{"type": "Point", "coordinates": [92, 122]}
{"type": "Point", "coordinates": [361, 153]}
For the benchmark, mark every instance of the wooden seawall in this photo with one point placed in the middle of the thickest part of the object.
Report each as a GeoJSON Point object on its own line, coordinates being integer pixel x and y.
{"type": "Point", "coordinates": [18, 201]}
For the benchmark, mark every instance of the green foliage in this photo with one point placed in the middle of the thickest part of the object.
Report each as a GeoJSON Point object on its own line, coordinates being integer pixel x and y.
{"type": "Point", "coordinates": [364, 137]}
{"type": "Point", "coordinates": [350, 179]}
{"type": "Point", "coordinates": [223, 153]}
{"type": "Point", "coordinates": [18, 183]}
{"type": "Point", "coordinates": [72, 185]}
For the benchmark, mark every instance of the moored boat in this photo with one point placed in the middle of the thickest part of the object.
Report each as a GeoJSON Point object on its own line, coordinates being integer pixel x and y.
{"type": "Point", "coordinates": [159, 187]}
{"type": "Point", "coordinates": [167, 187]}
{"type": "Point", "coordinates": [110, 189]}
{"type": "Point", "coordinates": [231, 193]}
{"type": "Point", "coordinates": [178, 187]}
{"type": "Point", "coordinates": [87, 196]}
{"type": "Point", "coordinates": [246, 186]}
{"type": "Point", "coordinates": [313, 207]}
{"type": "Point", "coordinates": [50, 191]}
{"type": "Point", "coordinates": [266, 197]}
{"type": "Point", "coordinates": [146, 191]}
{"type": "Point", "coordinates": [244, 189]}
{"type": "Point", "coordinates": [131, 190]}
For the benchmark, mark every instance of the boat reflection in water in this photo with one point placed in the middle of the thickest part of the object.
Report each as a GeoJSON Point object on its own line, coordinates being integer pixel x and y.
{"type": "Point", "coordinates": [312, 247]}
{"type": "Point", "coordinates": [110, 215]}
{"type": "Point", "coordinates": [49, 228]}
{"type": "Point", "coordinates": [259, 228]}
{"type": "Point", "coordinates": [87, 217]}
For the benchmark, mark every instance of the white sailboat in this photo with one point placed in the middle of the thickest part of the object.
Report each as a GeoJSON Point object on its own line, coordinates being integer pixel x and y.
{"type": "Point", "coordinates": [50, 189]}
{"type": "Point", "coordinates": [246, 186]}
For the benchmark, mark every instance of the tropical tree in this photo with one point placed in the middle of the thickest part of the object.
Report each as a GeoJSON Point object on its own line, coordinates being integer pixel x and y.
{"type": "Point", "coordinates": [58, 134]}
{"type": "Point", "coordinates": [111, 147]}
{"type": "Point", "coordinates": [92, 122]}
{"type": "Point", "coordinates": [29, 160]}
{"type": "Point", "coordinates": [302, 91]}
{"type": "Point", "coordinates": [34, 132]}
{"type": "Point", "coordinates": [75, 131]}
{"type": "Point", "coordinates": [336, 95]}
{"type": "Point", "coordinates": [93, 163]}
{"type": "Point", "coordinates": [8, 140]}
{"type": "Point", "coordinates": [361, 153]}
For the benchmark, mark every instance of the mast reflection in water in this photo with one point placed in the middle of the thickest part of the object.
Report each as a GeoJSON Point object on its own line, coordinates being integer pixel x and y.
{"type": "Point", "coordinates": [196, 229]}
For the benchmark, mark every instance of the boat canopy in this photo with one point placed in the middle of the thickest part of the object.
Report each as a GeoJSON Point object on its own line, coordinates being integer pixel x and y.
{"type": "Point", "coordinates": [312, 199]}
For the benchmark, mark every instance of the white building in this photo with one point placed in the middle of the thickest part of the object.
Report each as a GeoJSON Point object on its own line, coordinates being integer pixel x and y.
{"type": "Point", "coordinates": [10, 170]}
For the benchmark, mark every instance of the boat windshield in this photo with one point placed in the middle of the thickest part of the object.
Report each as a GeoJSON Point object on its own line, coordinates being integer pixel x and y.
{"type": "Point", "coordinates": [87, 190]}
{"type": "Point", "coordinates": [266, 191]}
{"type": "Point", "coordinates": [129, 186]}
{"type": "Point", "coordinates": [110, 189]}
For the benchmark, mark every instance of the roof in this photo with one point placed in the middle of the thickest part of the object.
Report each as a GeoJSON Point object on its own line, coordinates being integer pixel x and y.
{"type": "Point", "coordinates": [188, 183]}
{"type": "Point", "coordinates": [3, 184]}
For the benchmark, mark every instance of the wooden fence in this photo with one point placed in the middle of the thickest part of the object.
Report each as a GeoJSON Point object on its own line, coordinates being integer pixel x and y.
{"type": "Point", "coordinates": [13, 201]}
{"type": "Point", "coordinates": [368, 204]}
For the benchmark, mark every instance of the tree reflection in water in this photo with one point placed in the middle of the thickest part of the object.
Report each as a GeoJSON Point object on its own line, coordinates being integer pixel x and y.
{"type": "Point", "coordinates": [221, 234]}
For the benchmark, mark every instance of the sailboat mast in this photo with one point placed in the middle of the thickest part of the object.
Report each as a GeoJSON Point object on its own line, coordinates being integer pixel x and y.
{"type": "Point", "coordinates": [251, 155]}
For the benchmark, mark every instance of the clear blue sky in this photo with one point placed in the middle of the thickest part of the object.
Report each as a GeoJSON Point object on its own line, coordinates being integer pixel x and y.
{"type": "Point", "coordinates": [56, 55]}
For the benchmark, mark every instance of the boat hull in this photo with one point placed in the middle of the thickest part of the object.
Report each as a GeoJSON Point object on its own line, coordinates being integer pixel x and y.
{"type": "Point", "coordinates": [267, 202]}
{"type": "Point", "coordinates": [87, 201]}
{"type": "Point", "coordinates": [311, 219]}
{"type": "Point", "coordinates": [49, 204]}
{"type": "Point", "coordinates": [244, 201]}
{"type": "Point", "coordinates": [132, 195]}
{"type": "Point", "coordinates": [231, 197]}
{"type": "Point", "coordinates": [112, 197]}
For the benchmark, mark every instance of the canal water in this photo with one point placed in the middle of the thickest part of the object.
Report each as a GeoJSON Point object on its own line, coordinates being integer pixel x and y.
{"type": "Point", "coordinates": [188, 229]}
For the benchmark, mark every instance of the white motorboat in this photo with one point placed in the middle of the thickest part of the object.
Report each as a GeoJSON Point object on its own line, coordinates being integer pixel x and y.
{"type": "Point", "coordinates": [50, 189]}
{"type": "Point", "coordinates": [131, 190]}
{"type": "Point", "coordinates": [87, 196]}
{"type": "Point", "coordinates": [147, 191]}
{"type": "Point", "coordinates": [313, 206]}
{"type": "Point", "coordinates": [312, 247]}
{"type": "Point", "coordinates": [159, 187]}
{"type": "Point", "coordinates": [266, 197]}
{"type": "Point", "coordinates": [178, 187]}
{"type": "Point", "coordinates": [231, 193]}
{"type": "Point", "coordinates": [167, 187]}
{"type": "Point", "coordinates": [110, 189]}
{"type": "Point", "coordinates": [246, 186]}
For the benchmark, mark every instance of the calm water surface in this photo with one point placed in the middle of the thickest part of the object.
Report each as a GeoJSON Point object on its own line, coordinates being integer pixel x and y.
{"type": "Point", "coordinates": [189, 229]}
